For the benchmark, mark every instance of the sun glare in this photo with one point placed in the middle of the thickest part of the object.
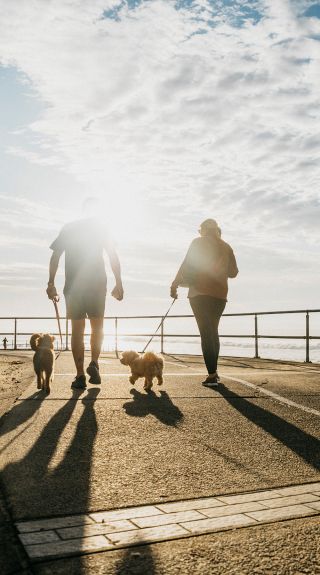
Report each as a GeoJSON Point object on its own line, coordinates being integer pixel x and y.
{"type": "Point", "coordinates": [125, 215]}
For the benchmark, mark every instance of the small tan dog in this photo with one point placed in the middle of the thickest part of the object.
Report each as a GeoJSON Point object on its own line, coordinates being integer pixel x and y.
{"type": "Point", "coordinates": [43, 359]}
{"type": "Point", "coordinates": [148, 366]}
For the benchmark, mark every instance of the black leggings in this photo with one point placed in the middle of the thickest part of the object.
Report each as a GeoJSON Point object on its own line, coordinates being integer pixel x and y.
{"type": "Point", "coordinates": [207, 312]}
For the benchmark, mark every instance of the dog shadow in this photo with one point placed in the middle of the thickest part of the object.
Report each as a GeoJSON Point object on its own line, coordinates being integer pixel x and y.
{"type": "Point", "coordinates": [150, 403]}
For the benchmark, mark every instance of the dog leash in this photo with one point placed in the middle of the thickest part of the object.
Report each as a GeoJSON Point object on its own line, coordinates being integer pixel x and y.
{"type": "Point", "coordinates": [55, 303]}
{"type": "Point", "coordinates": [160, 324]}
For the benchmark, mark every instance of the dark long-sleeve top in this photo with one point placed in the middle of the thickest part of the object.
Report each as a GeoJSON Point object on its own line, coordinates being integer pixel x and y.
{"type": "Point", "coordinates": [206, 268]}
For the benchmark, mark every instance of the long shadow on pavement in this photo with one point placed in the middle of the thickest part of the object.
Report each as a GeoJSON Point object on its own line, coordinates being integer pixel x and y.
{"type": "Point", "coordinates": [300, 442]}
{"type": "Point", "coordinates": [35, 490]}
{"type": "Point", "coordinates": [136, 561]}
{"type": "Point", "coordinates": [21, 412]}
{"type": "Point", "coordinates": [161, 407]}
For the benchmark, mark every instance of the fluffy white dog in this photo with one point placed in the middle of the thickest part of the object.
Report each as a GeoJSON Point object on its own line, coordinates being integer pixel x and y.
{"type": "Point", "coordinates": [148, 366]}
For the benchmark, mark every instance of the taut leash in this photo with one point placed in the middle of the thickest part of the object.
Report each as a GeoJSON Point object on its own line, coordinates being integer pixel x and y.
{"type": "Point", "coordinates": [55, 303]}
{"type": "Point", "coordinates": [160, 324]}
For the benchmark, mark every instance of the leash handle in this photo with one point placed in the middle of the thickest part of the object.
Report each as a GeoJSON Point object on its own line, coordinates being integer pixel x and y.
{"type": "Point", "coordinates": [160, 324]}
{"type": "Point", "coordinates": [55, 300]}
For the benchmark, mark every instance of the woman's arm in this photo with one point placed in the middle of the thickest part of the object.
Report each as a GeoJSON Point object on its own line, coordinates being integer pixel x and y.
{"type": "Point", "coordinates": [181, 278]}
{"type": "Point", "coordinates": [232, 267]}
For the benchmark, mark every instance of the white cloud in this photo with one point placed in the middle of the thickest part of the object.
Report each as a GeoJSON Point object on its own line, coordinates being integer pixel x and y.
{"type": "Point", "coordinates": [199, 109]}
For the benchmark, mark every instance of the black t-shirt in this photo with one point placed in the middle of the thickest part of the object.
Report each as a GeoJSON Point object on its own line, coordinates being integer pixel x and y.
{"type": "Point", "coordinates": [83, 242]}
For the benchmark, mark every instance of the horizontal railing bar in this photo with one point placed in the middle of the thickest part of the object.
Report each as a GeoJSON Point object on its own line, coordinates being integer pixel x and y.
{"type": "Point", "coordinates": [158, 335]}
{"type": "Point", "coordinates": [244, 314]}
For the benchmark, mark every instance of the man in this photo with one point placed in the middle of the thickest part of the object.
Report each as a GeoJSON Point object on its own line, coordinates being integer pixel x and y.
{"type": "Point", "coordinates": [84, 242]}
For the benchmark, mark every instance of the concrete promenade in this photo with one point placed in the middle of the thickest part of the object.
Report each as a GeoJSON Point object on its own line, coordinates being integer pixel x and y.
{"type": "Point", "coordinates": [185, 479]}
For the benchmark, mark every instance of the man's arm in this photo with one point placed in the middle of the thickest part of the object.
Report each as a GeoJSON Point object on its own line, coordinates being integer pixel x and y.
{"type": "Point", "coordinates": [117, 291]}
{"type": "Point", "coordinates": [53, 266]}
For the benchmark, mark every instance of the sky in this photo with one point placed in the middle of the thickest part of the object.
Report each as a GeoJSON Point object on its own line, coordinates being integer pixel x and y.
{"type": "Point", "coordinates": [171, 112]}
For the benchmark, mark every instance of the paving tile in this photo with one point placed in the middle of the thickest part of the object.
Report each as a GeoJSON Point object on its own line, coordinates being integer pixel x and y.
{"type": "Point", "coordinates": [160, 533]}
{"type": "Point", "coordinates": [245, 497]}
{"type": "Point", "coordinates": [217, 523]}
{"type": "Point", "coordinates": [290, 500]}
{"type": "Point", "coordinates": [105, 530]}
{"type": "Point", "coordinates": [167, 518]}
{"type": "Point", "coordinates": [54, 523]}
{"type": "Point", "coordinates": [72, 547]}
{"type": "Point", "coordinates": [315, 505]}
{"type": "Point", "coordinates": [233, 509]}
{"type": "Point", "coordinates": [193, 504]}
{"type": "Point", "coordinates": [95, 529]}
{"type": "Point", "coordinates": [295, 489]}
{"type": "Point", "coordinates": [38, 537]}
{"type": "Point", "coordinates": [281, 513]}
{"type": "Point", "coordinates": [128, 513]}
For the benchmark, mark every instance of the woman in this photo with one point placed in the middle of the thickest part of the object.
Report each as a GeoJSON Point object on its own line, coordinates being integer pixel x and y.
{"type": "Point", "coordinates": [205, 270]}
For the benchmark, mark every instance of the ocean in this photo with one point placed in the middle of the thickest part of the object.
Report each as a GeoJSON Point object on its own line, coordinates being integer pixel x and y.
{"type": "Point", "coordinates": [181, 335]}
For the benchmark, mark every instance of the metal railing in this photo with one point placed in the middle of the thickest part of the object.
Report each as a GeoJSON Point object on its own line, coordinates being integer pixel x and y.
{"type": "Point", "coordinates": [256, 335]}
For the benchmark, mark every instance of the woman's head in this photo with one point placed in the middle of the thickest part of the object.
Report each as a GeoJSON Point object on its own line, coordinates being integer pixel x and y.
{"type": "Point", "coordinates": [210, 228]}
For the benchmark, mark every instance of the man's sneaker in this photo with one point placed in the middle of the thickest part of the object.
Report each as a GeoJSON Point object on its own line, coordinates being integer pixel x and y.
{"type": "Point", "coordinates": [79, 382]}
{"type": "Point", "coordinates": [93, 371]}
{"type": "Point", "coordinates": [211, 381]}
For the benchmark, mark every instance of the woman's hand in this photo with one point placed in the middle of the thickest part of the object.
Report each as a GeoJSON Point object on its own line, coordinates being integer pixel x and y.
{"type": "Point", "coordinates": [173, 290]}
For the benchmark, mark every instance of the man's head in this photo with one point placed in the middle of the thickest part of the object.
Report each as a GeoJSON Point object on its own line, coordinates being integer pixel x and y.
{"type": "Point", "coordinates": [91, 207]}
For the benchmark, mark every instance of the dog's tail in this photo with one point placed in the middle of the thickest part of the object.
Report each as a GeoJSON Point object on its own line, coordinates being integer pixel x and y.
{"type": "Point", "coordinates": [156, 360]}
{"type": "Point", "coordinates": [34, 341]}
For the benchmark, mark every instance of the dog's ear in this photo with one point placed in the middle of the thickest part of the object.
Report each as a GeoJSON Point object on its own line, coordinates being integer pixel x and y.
{"type": "Point", "coordinates": [52, 338]}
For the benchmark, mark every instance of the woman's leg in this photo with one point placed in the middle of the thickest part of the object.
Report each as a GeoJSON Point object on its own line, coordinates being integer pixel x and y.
{"type": "Point", "coordinates": [202, 312]}
{"type": "Point", "coordinates": [215, 311]}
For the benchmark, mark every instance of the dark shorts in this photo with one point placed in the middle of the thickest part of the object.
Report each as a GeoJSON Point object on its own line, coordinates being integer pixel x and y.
{"type": "Point", "coordinates": [82, 304]}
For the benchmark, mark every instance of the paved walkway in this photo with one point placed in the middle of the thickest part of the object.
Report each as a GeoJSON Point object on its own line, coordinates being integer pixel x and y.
{"type": "Point", "coordinates": [124, 527]}
{"type": "Point", "coordinates": [114, 467]}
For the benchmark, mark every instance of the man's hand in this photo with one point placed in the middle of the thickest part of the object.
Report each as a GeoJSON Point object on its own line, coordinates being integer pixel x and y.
{"type": "Point", "coordinates": [51, 291]}
{"type": "Point", "coordinates": [173, 291]}
{"type": "Point", "coordinates": [117, 292]}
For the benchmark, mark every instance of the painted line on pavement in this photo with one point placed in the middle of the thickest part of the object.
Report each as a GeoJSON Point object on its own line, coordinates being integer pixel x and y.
{"type": "Point", "coordinates": [276, 396]}
{"type": "Point", "coordinates": [128, 374]}
{"type": "Point", "coordinates": [262, 391]}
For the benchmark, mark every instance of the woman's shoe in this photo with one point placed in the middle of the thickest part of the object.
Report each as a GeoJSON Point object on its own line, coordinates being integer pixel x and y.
{"type": "Point", "coordinates": [211, 381]}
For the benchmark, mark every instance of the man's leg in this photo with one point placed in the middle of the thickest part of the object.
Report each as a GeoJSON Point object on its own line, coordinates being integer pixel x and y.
{"type": "Point", "coordinates": [77, 344]}
{"type": "Point", "coordinates": [96, 338]}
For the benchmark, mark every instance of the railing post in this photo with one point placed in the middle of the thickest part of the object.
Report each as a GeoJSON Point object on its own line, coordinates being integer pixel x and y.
{"type": "Point", "coordinates": [116, 335]}
{"type": "Point", "coordinates": [256, 337]}
{"type": "Point", "coordinates": [307, 338]}
{"type": "Point", "coordinates": [162, 335]}
{"type": "Point", "coordinates": [67, 335]}
{"type": "Point", "coordinates": [15, 333]}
